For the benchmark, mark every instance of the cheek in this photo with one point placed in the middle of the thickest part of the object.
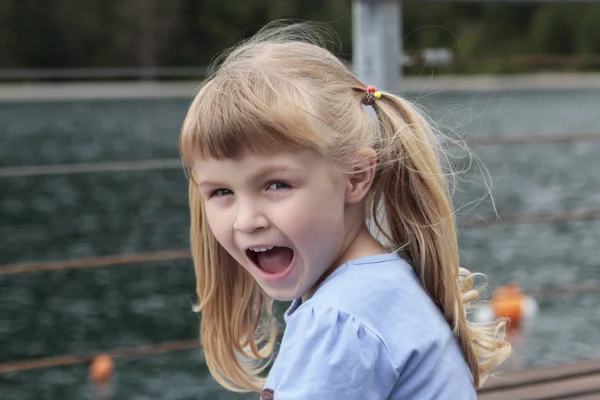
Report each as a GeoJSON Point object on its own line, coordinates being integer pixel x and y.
{"type": "Point", "coordinates": [316, 218]}
{"type": "Point", "coordinates": [217, 223]}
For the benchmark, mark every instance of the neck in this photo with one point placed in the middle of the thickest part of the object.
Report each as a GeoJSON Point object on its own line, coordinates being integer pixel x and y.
{"type": "Point", "coordinates": [360, 243]}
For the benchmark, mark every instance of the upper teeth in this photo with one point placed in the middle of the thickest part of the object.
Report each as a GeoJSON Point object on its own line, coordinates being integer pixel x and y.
{"type": "Point", "coordinates": [259, 249]}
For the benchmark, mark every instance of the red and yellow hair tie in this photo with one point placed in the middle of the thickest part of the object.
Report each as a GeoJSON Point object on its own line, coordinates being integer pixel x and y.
{"type": "Point", "coordinates": [372, 95]}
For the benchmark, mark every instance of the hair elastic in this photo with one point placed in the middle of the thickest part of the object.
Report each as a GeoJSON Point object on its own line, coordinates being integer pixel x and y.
{"type": "Point", "coordinates": [372, 95]}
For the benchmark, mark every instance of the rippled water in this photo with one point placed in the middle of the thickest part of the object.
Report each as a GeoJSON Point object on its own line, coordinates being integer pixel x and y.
{"type": "Point", "coordinates": [56, 217]}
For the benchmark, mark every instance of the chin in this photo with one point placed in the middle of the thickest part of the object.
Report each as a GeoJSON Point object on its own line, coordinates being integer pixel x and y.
{"type": "Point", "coordinates": [281, 294]}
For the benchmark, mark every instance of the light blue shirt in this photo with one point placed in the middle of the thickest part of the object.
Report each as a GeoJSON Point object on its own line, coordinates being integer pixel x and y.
{"type": "Point", "coordinates": [369, 332]}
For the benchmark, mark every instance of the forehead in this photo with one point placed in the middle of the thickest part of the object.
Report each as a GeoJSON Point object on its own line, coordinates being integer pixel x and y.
{"type": "Point", "coordinates": [300, 161]}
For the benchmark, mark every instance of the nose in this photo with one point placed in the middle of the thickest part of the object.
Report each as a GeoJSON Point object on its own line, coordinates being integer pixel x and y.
{"type": "Point", "coordinates": [249, 218]}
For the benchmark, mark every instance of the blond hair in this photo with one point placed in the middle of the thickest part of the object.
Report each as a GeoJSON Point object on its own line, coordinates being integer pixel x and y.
{"type": "Point", "coordinates": [281, 89]}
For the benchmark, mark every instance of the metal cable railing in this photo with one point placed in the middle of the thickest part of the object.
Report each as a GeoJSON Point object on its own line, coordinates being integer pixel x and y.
{"type": "Point", "coordinates": [72, 359]}
{"type": "Point", "coordinates": [181, 254]}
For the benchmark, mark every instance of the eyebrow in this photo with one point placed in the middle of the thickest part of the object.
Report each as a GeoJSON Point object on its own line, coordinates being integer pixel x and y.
{"type": "Point", "coordinates": [273, 169]}
{"type": "Point", "coordinates": [261, 174]}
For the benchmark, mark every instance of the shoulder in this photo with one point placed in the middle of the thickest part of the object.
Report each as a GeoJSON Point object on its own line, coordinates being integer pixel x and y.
{"type": "Point", "coordinates": [328, 353]}
{"type": "Point", "coordinates": [316, 320]}
{"type": "Point", "coordinates": [386, 298]}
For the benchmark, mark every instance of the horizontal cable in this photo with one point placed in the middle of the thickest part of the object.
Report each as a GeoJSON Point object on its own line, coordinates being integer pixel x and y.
{"type": "Point", "coordinates": [184, 254]}
{"type": "Point", "coordinates": [539, 59]}
{"type": "Point", "coordinates": [559, 291]}
{"type": "Point", "coordinates": [497, 140]}
{"type": "Point", "coordinates": [114, 166]}
{"type": "Point", "coordinates": [172, 163]}
{"type": "Point", "coordinates": [94, 262]}
{"type": "Point", "coordinates": [61, 361]}
{"type": "Point", "coordinates": [102, 73]}
{"type": "Point", "coordinates": [530, 218]}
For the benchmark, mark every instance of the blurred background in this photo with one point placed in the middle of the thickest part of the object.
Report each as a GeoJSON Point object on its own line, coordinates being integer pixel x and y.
{"type": "Point", "coordinates": [93, 199]}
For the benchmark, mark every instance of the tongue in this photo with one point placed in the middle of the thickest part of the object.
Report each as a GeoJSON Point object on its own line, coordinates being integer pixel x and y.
{"type": "Point", "coordinates": [275, 260]}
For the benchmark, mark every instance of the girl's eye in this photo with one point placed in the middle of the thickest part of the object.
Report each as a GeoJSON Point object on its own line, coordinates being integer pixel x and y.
{"type": "Point", "coordinates": [221, 192]}
{"type": "Point", "coordinates": [278, 186]}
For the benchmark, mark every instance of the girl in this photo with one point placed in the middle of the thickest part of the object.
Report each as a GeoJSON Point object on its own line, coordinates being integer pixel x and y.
{"type": "Point", "coordinates": [288, 173]}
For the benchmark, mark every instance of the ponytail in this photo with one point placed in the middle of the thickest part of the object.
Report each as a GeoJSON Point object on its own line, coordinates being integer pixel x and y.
{"type": "Point", "coordinates": [238, 330]}
{"type": "Point", "coordinates": [411, 191]}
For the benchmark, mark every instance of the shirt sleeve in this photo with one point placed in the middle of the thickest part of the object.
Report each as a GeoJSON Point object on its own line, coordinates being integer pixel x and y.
{"type": "Point", "coordinates": [329, 354]}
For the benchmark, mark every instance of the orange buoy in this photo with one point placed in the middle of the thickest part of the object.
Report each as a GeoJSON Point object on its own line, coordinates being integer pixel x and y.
{"type": "Point", "coordinates": [102, 368]}
{"type": "Point", "coordinates": [507, 302]}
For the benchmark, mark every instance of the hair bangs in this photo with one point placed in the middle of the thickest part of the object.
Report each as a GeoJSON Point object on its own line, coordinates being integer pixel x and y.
{"type": "Point", "coordinates": [232, 118]}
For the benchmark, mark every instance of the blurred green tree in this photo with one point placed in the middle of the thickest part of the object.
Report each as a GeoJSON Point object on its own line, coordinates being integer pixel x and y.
{"type": "Point", "coordinates": [102, 33]}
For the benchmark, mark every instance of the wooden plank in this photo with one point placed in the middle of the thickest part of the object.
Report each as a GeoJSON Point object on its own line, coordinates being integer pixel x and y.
{"type": "Point", "coordinates": [587, 386]}
{"type": "Point", "coordinates": [541, 375]}
{"type": "Point", "coordinates": [592, 396]}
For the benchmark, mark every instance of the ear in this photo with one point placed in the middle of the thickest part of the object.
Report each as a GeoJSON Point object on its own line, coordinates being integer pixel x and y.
{"type": "Point", "coordinates": [360, 180]}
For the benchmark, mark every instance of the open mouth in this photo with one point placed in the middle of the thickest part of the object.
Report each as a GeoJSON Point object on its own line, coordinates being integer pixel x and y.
{"type": "Point", "coordinates": [271, 259]}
